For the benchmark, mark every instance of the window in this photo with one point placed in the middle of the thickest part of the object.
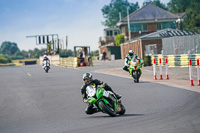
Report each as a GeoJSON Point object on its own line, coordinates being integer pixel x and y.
{"type": "Point", "coordinates": [138, 27]}
{"type": "Point", "coordinates": [159, 26]}
{"type": "Point", "coordinates": [109, 33]}
{"type": "Point", "coordinates": [166, 25]}
{"type": "Point", "coordinates": [144, 27]}
{"type": "Point", "coordinates": [116, 32]}
{"type": "Point", "coordinates": [123, 30]}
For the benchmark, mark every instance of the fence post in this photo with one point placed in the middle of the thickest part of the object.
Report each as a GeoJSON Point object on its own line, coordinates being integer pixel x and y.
{"type": "Point", "coordinates": [190, 72]}
{"type": "Point", "coordinates": [160, 69]}
{"type": "Point", "coordinates": [198, 74]}
{"type": "Point", "coordinates": [166, 65]}
{"type": "Point", "coordinates": [154, 68]}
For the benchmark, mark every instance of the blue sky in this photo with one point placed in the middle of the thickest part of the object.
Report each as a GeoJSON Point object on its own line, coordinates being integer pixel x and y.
{"type": "Point", "coordinates": [80, 20]}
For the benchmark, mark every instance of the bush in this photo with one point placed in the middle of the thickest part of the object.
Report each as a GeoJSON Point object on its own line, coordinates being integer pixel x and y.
{"type": "Point", "coordinates": [119, 39]}
{"type": "Point", "coordinates": [5, 59]}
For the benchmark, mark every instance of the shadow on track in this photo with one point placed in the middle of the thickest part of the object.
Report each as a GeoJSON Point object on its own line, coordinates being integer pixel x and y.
{"type": "Point", "coordinates": [127, 115]}
{"type": "Point", "coordinates": [141, 82]}
{"type": "Point", "coordinates": [107, 116]}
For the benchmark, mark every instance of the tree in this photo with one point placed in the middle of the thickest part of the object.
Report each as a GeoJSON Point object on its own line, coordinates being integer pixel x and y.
{"type": "Point", "coordinates": [119, 39]}
{"type": "Point", "coordinates": [159, 4]}
{"type": "Point", "coordinates": [191, 7]}
{"type": "Point", "coordinates": [66, 53]}
{"type": "Point", "coordinates": [18, 55]}
{"type": "Point", "coordinates": [156, 3]}
{"type": "Point", "coordinates": [95, 53]}
{"type": "Point", "coordinates": [178, 6]}
{"type": "Point", "coordinates": [111, 12]}
{"type": "Point", "coordinates": [192, 20]}
{"type": "Point", "coordinates": [8, 48]}
{"type": "Point", "coordinates": [24, 53]}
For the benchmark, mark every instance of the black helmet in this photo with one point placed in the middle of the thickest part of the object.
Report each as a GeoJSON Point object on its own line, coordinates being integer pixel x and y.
{"type": "Point", "coordinates": [87, 78]}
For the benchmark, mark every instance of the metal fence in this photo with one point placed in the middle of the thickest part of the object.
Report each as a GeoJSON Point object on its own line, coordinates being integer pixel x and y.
{"type": "Point", "coordinates": [177, 45]}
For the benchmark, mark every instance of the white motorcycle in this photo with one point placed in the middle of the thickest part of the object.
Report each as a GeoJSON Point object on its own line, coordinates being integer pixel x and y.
{"type": "Point", "coordinates": [46, 65]}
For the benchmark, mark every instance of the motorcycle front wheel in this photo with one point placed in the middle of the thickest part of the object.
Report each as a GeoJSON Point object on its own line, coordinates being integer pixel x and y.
{"type": "Point", "coordinates": [46, 69]}
{"type": "Point", "coordinates": [123, 110]}
{"type": "Point", "coordinates": [107, 109]}
{"type": "Point", "coordinates": [135, 76]}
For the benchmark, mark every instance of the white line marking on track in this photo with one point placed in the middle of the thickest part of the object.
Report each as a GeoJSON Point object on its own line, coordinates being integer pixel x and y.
{"type": "Point", "coordinates": [28, 74]}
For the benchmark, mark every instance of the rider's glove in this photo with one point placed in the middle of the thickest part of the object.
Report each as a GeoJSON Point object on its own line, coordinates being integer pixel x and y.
{"type": "Point", "coordinates": [85, 100]}
{"type": "Point", "coordinates": [103, 85]}
{"type": "Point", "coordinates": [127, 65]}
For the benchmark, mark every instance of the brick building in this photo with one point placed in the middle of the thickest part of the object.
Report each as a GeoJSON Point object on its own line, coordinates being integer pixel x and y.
{"type": "Point", "coordinates": [146, 25]}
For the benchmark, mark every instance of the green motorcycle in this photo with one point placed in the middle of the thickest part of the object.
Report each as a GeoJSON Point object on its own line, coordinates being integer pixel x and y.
{"type": "Point", "coordinates": [135, 69]}
{"type": "Point", "coordinates": [105, 101]}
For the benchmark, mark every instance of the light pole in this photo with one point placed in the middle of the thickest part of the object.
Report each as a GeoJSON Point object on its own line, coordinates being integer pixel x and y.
{"type": "Point", "coordinates": [178, 21]}
{"type": "Point", "coordinates": [129, 31]}
{"type": "Point", "coordinates": [120, 16]}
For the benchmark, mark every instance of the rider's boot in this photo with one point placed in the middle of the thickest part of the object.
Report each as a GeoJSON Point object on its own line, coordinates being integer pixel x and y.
{"type": "Point", "coordinates": [110, 89]}
{"type": "Point", "coordinates": [118, 96]}
{"type": "Point", "coordinates": [95, 110]}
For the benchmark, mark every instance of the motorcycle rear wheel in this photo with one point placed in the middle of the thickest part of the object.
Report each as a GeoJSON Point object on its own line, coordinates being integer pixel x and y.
{"type": "Point", "coordinates": [107, 109]}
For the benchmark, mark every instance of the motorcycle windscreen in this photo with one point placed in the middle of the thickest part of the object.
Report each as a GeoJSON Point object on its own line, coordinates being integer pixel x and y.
{"type": "Point", "coordinates": [90, 90]}
{"type": "Point", "coordinates": [100, 93]}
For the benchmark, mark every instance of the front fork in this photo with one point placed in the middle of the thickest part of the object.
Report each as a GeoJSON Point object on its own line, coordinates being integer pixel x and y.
{"type": "Point", "coordinates": [131, 72]}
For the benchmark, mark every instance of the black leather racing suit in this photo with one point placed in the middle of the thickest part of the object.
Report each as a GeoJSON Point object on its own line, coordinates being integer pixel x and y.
{"type": "Point", "coordinates": [89, 109]}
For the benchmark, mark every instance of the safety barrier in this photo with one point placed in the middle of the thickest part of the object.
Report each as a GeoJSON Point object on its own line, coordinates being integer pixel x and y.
{"type": "Point", "coordinates": [176, 60]}
{"type": "Point", "coordinates": [191, 72]}
{"type": "Point", "coordinates": [191, 63]}
{"type": "Point", "coordinates": [20, 62]}
{"type": "Point", "coordinates": [198, 73]}
{"type": "Point", "coordinates": [160, 68]}
{"type": "Point", "coordinates": [166, 68]}
{"type": "Point", "coordinates": [69, 62]}
{"type": "Point", "coordinates": [54, 59]}
{"type": "Point", "coordinates": [154, 68]}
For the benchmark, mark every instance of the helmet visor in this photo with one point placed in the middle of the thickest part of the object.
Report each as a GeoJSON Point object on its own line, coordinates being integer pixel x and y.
{"type": "Point", "coordinates": [130, 54]}
{"type": "Point", "coordinates": [87, 80]}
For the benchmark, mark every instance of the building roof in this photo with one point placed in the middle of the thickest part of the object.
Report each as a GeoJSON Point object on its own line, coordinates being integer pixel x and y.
{"type": "Point", "coordinates": [151, 13]}
{"type": "Point", "coordinates": [111, 29]}
{"type": "Point", "coordinates": [151, 35]}
{"type": "Point", "coordinates": [164, 33]}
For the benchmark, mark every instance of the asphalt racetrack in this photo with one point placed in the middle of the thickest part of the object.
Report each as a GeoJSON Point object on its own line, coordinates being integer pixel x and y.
{"type": "Point", "coordinates": [32, 101]}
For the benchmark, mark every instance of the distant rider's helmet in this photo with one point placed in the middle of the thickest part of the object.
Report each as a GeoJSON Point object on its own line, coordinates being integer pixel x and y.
{"type": "Point", "coordinates": [87, 78]}
{"type": "Point", "coordinates": [45, 57]}
{"type": "Point", "coordinates": [130, 52]}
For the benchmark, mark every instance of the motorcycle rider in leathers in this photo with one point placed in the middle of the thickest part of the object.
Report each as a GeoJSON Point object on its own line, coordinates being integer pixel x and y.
{"type": "Point", "coordinates": [45, 58]}
{"type": "Point", "coordinates": [87, 78]}
{"type": "Point", "coordinates": [128, 58]}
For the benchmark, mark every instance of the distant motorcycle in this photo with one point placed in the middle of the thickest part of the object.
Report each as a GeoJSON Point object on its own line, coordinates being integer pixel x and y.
{"type": "Point", "coordinates": [105, 101]}
{"type": "Point", "coordinates": [46, 65]}
{"type": "Point", "coordinates": [135, 69]}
